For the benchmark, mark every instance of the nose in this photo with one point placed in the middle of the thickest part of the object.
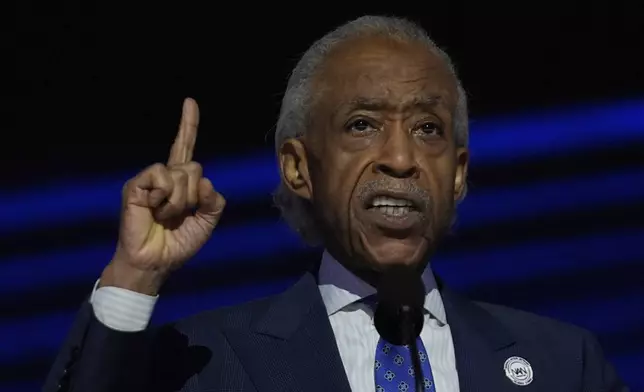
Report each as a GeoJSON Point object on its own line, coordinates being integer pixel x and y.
{"type": "Point", "coordinates": [397, 158]}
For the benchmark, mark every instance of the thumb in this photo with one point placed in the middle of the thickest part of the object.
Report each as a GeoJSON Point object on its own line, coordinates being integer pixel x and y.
{"type": "Point", "coordinates": [211, 202]}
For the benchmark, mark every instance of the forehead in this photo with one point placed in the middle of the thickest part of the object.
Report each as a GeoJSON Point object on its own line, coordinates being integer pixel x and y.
{"type": "Point", "coordinates": [385, 70]}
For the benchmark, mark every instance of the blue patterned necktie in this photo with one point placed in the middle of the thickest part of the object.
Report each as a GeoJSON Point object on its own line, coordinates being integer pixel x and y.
{"type": "Point", "coordinates": [394, 370]}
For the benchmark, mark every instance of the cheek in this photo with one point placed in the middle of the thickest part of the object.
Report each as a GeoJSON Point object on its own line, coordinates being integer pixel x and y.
{"type": "Point", "coordinates": [340, 183]}
{"type": "Point", "coordinates": [441, 174]}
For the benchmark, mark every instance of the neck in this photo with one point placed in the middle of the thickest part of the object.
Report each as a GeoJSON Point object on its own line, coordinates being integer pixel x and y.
{"type": "Point", "coordinates": [369, 271]}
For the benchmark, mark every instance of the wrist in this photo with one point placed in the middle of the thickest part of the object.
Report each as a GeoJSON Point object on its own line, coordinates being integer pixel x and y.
{"type": "Point", "coordinates": [123, 276]}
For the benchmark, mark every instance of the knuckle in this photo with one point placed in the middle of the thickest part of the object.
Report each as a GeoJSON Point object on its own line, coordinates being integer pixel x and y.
{"type": "Point", "coordinates": [157, 168]}
{"type": "Point", "coordinates": [179, 175]}
{"type": "Point", "coordinates": [219, 198]}
{"type": "Point", "coordinates": [159, 172]}
{"type": "Point", "coordinates": [127, 185]}
{"type": "Point", "coordinates": [126, 190]}
{"type": "Point", "coordinates": [194, 167]}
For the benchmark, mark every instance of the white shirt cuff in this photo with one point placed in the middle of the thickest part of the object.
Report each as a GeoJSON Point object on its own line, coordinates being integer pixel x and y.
{"type": "Point", "coordinates": [121, 309]}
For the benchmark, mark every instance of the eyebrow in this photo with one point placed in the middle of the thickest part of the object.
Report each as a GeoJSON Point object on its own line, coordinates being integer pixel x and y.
{"type": "Point", "coordinates": [379, 104]}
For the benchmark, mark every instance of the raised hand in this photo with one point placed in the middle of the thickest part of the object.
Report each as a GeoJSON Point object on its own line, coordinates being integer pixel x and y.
{"type": "Point", "coordinates": [169, 212]}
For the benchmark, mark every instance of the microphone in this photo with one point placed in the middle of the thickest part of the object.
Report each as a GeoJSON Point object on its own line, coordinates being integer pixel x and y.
{"type": "Point", "coordinates": [399, 313]}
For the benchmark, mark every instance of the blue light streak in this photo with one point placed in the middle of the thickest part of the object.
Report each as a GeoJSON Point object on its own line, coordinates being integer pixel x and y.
{"type": "Point", "coordinates": [252, 177]}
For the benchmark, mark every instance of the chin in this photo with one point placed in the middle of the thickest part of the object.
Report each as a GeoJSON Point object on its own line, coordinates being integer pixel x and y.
{"type": "Point", "coordinates": [397, 252]}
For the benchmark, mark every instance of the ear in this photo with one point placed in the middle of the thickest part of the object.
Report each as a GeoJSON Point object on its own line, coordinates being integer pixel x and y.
{"type": "Point", "coordinates": [460, 179]}
{"type": "Point", "coordinates": [294, 168]}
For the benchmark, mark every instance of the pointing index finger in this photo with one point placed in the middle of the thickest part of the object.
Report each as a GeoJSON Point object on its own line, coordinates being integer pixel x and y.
{"type": "Point", "coordinates": [184, 144]}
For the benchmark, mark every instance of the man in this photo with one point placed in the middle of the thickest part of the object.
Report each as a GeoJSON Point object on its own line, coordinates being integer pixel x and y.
{"type": "Point", "coordinates": [372, 149]}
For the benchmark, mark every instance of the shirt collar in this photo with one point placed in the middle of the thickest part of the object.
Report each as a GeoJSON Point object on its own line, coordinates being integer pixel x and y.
{"type": "Point", "coordinates": [340, 288]}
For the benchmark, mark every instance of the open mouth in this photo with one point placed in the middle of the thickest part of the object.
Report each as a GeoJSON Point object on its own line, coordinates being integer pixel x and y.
{"type": "Point", "coordinates": [392, 206]}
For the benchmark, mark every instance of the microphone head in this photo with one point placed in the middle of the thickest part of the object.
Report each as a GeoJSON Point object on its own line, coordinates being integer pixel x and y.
{"type": "Point", "coordinates": [399, 314]}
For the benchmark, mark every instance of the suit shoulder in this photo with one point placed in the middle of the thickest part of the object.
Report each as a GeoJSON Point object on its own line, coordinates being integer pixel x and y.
{"type": "Point", "coordinates": [531, 326]}
{"type": "Point", "coordinates": [234, 316]}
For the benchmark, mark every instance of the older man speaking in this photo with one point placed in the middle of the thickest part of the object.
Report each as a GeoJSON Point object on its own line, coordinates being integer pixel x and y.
{"type": "Point", "coordinates": [372, 149]}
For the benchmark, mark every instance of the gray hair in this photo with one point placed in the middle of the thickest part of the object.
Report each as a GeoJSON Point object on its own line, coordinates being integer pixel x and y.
{"type": "Point", "coordinates": [297, 101]}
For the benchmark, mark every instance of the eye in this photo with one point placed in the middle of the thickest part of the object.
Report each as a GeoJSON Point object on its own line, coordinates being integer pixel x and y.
{"type": "Point", "coordinates": [360, 126]}
{"type": "Point", "coordinates": [430, 128]}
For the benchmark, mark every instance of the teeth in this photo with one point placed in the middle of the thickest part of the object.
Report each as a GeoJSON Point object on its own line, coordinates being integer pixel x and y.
{"type": "Point", "coordinates": [393, 211]}
{"type": "Point", "coordinates": [381, 201]}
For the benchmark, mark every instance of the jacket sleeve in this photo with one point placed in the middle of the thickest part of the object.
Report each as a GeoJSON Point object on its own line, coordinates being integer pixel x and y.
{"type": "Point", "coordinates": [168, 358]}
{"type": "Point", "coordinates": [598, 374]}
{"type": "Point", "coordinates": [97, 358]}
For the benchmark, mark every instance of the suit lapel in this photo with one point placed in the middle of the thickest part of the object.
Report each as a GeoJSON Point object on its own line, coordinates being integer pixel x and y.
{"type": "Point", "coordinates": [482, 345]}
{"type": "Point", "coordinates": [479, 343]}
{"type": "Point", "coordinates": [291, 347]}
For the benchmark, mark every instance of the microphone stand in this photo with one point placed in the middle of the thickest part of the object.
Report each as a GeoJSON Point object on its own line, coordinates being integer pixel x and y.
{"type": "Point", "coordinates": [399, 314]}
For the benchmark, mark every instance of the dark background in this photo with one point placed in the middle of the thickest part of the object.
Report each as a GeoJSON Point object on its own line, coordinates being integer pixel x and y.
{"type": "Point", "coordinates": [98, 92]}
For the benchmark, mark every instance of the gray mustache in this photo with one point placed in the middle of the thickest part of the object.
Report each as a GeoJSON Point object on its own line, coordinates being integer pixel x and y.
{"type": "Point", "coordinates": [367, 189]}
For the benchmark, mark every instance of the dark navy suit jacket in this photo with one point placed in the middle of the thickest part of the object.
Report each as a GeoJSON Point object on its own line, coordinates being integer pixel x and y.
{"type": "Point", "coordinates": [285, 343]}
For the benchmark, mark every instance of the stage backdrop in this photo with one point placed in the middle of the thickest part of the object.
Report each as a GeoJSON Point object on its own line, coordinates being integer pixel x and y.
{"type": "Point", "coordinates": [552, 225]}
